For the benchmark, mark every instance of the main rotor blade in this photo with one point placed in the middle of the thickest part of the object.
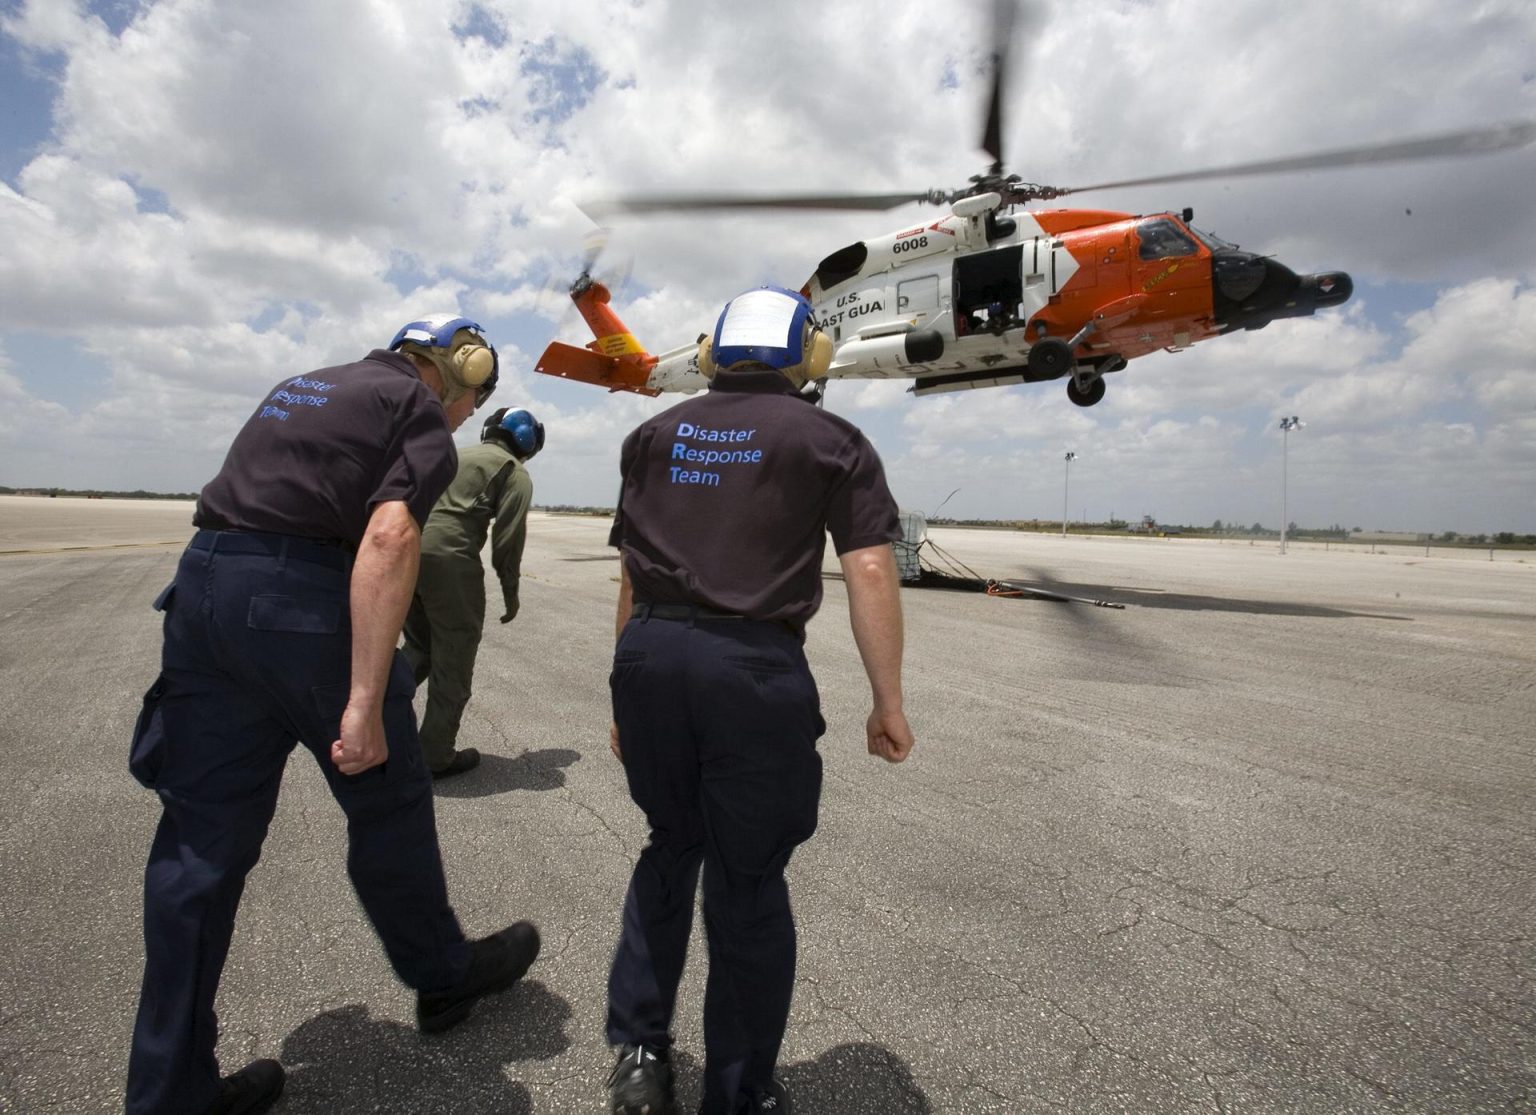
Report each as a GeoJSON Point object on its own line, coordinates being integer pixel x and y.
{"type": "Point", "coordinates": [1003, 13]}
{"type": "Point", "coordinates": [671, 203]}
{"type": "Point", "coordinates": [1476, 141]}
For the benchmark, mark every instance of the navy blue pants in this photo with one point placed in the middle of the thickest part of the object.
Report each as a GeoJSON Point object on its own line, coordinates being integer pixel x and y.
{"type": "Point", "coordinates": [718, 722]}
{"type": "Point", "coordinates": [257, 656]}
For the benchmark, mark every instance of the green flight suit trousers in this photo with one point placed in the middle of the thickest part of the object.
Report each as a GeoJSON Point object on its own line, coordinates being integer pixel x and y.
{"type": "Point", "coordinates": [442, 636]}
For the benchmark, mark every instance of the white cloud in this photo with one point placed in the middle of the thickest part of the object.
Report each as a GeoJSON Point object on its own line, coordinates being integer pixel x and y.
{"type": "Point", "coordinates": [876, 394]}
{"type": "Point", "coordinates": [1482, 334]}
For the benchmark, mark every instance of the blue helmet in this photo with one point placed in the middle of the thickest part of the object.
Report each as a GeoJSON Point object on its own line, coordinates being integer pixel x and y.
{"type": "Point", "coordinates": [515, 428]}
{"type": "Point", "coordinates": [468, 361]}
{"type": "Point", "coordinates": [767, 326]}
{"type": "Point", "coordinates": [770, 326]}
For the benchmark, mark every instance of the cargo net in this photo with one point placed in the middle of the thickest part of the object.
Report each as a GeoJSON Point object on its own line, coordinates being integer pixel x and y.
{"type": "Point", "coordinates": [923, 563]}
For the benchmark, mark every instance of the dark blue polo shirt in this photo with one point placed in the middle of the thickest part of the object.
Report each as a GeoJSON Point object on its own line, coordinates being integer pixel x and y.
{"type": "Point", "coordinates": [727, 499]}
{"type": "Point", "coordinates": [326, 447]}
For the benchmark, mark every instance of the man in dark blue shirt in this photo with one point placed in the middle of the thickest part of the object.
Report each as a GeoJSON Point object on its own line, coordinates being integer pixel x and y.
{"type": "Point", "coordinates": [280, 626]}
{"type": "Point", "coordinates": [726, 503]}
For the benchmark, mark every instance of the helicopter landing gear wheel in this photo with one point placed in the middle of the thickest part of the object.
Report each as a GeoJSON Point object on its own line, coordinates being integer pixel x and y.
{"type": "Point", "coordinates": [1085, 395]}
{"type": "Point", "coordinates": [1050, 357]}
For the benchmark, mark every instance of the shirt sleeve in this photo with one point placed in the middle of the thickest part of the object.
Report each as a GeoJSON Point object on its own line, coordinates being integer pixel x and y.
{"type": "Point", "coordinates": [509, 532]}
{"type": "Point", "coordinates": [862, 512]}
{"type": "Point", "coordinates": [626, 462]}
{"type": "Point", "coordinates": [420, 461]}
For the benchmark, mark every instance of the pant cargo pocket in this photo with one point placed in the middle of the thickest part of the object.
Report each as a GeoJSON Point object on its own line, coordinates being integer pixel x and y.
{"type": "Point", "coordinates": [147, 751]}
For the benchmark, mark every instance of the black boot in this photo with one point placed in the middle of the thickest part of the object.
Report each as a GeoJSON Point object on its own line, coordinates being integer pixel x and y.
{"type": "Point", "coordinates": [464, 759]}
{"type": "Point", "coordinates": [495, 964]}
{"type": "Point", "coordinates": [772, 1100]}
{"type": "Point", "coordinates": [250, 1091]}
{"type": "Point", "coordinates": [641, 1083]}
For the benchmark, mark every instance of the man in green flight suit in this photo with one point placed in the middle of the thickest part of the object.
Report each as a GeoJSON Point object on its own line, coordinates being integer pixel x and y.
{"type": "Point", "coordinates": [447, 615]}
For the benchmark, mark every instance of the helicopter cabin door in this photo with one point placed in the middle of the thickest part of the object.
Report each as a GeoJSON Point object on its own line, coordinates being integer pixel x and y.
{"type": "Point", "coordinates": [989, 291]}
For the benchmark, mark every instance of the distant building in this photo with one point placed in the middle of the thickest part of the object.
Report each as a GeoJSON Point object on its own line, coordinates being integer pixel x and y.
{"type": "Point", "coordinates": [1148, 525]}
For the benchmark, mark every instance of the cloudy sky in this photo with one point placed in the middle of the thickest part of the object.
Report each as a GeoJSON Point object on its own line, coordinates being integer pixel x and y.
{"type": "Point", "coordinates": [198, 197]}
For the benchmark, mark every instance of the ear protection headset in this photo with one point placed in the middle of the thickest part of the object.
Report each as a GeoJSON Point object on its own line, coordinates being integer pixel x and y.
{"type": "Point", "coordinates": [457, 346]}
{"type": "Point", "coordinates": [770, 326]}
{"type": "Point", "coordinates": [515, 428]}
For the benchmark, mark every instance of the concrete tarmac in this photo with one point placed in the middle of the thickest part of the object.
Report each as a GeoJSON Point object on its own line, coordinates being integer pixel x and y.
{"type": "Point", "coordinates": [1260, 842]}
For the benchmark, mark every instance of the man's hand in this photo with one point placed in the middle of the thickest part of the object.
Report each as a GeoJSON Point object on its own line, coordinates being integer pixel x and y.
{"type": "Point", "coordinates": [511, 612]}
{"type": "Point", "coordinates": [613, 741]}
{"type": "Point", "coordinates": [362, 745]}
{"type": "Point", "coordinates": [888, 735]}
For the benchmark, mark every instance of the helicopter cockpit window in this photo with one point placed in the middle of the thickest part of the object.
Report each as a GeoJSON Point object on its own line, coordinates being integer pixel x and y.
{"type": "Point", "coordinates": [1162, 239]}
{"type": "Point", "coordinates": [841, 265]}
{"type": "Point", "coordinates": [1212, 241]}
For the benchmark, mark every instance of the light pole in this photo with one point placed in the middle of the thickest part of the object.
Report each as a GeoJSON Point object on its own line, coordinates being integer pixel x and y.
{"type": "Point", "coordinates": [1065, 482]}
{"type": "Point", "coordinates": [1287, 424]}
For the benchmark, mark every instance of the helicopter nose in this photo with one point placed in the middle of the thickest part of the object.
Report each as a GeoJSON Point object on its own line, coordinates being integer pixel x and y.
{"type": "Point", "coordinates": [1331, 288]}
{"type": "Point", "coordinates": [1237, 275]}
{"type": "Point", "coordinates": [1249, 291]}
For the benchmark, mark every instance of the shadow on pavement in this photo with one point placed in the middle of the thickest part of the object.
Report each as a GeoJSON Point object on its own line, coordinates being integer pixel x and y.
{"type": "Point", "coordinates": [1142, 598]}
{"type": "Point", "coordinates": [1147, 598]}
{"type": "Point", "coordinates": [859, 1078]}
{"type": "Point", "coordinates": [343, 1060]}
{"type": "Point", "coordinates": [497, 774]}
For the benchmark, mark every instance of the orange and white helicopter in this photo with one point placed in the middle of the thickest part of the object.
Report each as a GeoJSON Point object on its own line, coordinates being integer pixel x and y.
{"type": "Point", "coordinates": [990, 295]}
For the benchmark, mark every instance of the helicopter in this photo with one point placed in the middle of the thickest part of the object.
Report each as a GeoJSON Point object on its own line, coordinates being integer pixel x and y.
{"type": "Point", "coordinates": [993, 294]}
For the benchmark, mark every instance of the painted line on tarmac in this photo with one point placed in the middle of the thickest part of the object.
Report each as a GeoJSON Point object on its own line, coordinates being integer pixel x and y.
{"type": "Point", "coordinates": [80, 549]}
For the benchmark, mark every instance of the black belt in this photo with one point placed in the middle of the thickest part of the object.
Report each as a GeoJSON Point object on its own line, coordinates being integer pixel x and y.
{"type": "Point", "coordinates": [688, 612]}
{"type": "Point", "coordinates": [335, 554]}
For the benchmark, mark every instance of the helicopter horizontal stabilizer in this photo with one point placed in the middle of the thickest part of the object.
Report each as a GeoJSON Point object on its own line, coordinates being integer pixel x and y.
{"type": "Point", "coordinates": [585, 366]}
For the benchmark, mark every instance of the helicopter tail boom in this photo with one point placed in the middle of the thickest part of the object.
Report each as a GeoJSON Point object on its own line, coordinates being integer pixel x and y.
{"type": "Point", "coordinates": [615, 359]}
{"type": "Point", "coordinates": [613, 336]}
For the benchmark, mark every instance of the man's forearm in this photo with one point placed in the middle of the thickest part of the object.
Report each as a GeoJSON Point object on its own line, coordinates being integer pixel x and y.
{"type": "Point", "coordinates": [383, 579]}
{"type": "Point", "coordinates": [874, 611]}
